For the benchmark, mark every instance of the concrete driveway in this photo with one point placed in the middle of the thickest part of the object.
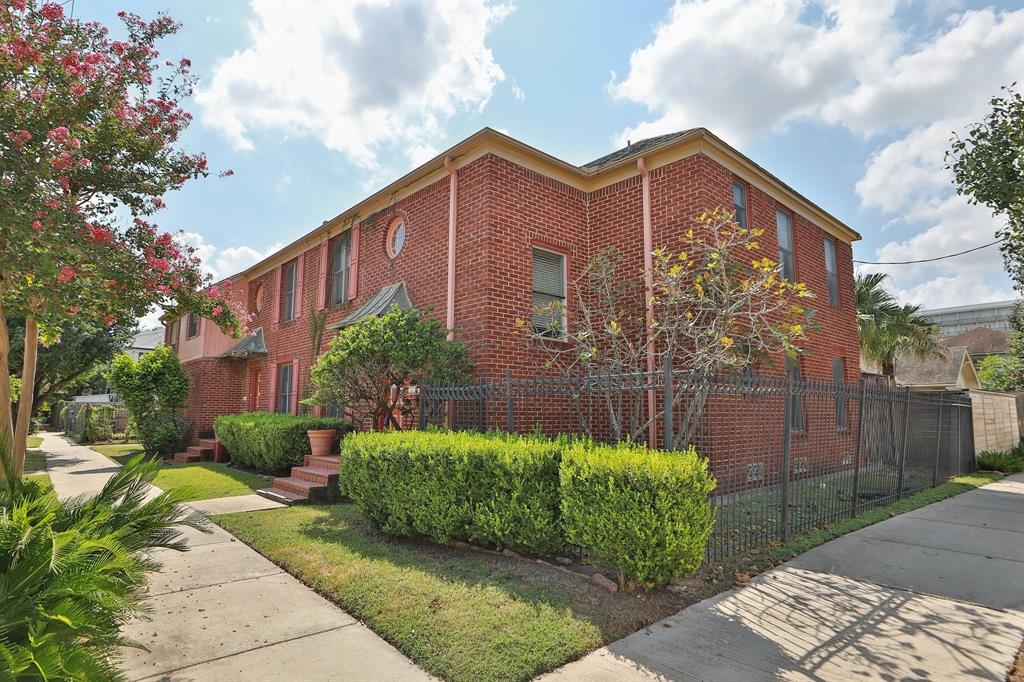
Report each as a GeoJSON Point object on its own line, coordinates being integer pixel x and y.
{"type": "Point", "coordinates": [934, 594]}
{"type": "Point", "coordinates": [221, 611]}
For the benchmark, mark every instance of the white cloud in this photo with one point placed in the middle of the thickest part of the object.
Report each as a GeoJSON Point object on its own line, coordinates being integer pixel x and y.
{"type": "Point", "coordinates": [358, 77]}
{"type": "Point", "coordinates": [747, 70]}
{"type": "Point", "coordinates": [227, 261]}
{"type": "Point", "coordinates": [518, 92]}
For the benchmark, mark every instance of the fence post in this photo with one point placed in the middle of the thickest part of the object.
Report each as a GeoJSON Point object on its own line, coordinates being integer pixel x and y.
{"type": "Point", "coordinates": [902, 466]}
{"type": "Point", "coordinates": [669, 399]}
{"type": "Point", "coordinates": [421, 405]}
{"type": "Point", "coordinates": [482, 407]}
{"type": "Point", "coordinates": [510, 421]}
{"type": "Point", "coordinates": [857, 448]}
{"type": "Point", "coordinates": [787, 422]}
{"type": "Point", "coordinates": [938, 445]}
{"type": "Point", "coordinates": [959, 441]}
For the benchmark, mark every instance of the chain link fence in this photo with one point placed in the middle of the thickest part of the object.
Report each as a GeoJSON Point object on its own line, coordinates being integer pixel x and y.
{"type": "Point", "coordinates": [788, 454]}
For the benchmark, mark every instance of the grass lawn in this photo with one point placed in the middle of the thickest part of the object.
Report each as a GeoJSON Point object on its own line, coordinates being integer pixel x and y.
{"type": "Point", "coordinates": [33, 441]}
{"type": "Point", "coordinates": [463, 615]}
{"type": "Point", "coordinates": [203, 480]}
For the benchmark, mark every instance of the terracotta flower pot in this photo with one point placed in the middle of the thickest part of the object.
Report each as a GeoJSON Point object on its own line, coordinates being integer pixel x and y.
{"type": "Point", "coordinates": [321, 440]}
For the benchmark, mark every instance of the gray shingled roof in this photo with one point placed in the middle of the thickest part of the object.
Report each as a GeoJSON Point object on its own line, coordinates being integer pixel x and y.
{"type": "Point", "coordinates": [941, 371]}
{"type": "Point", "coordinates": [148, 339]}
{"type": "Point", "coordinates": [633, 148]}
{"type": "Point", "coordinates": [379, 303]}
{"type": "Point", "coordinates": [253, 344]}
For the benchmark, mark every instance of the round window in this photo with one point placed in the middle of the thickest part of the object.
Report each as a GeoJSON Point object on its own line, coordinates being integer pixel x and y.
{"type": "Point", "coordinates": [396, 238]}
{"type": "Point", "coordinates": [258, 303]}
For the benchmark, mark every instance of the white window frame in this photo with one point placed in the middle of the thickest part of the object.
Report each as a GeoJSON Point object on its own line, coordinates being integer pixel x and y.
{"type": "Point", "coordinates": [565, 290]}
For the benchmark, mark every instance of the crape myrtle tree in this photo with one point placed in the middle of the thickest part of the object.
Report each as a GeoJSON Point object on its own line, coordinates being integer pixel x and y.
{"type": "Point", "coordinates": [89, 131]}
{"type": "Point", "coordinates": [719, 305]}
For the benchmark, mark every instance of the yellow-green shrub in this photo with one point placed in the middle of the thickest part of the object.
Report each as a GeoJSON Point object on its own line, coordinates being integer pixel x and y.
{"type": "Point", "coordinates": [645, 511]}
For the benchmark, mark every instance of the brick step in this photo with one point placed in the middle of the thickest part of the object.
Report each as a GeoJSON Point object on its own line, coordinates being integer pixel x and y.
{"type": "Point", "coordinates": [282, 496]}
{"type": "Point", "coordinates": [208, 443]}
{"type": "Point", "coordinates": [200, 451]}
{"type": "Point", "coordinates": [220, 453]}
{"type": "Point", "coordinates": [316, 475]}
{"type": "Point", "coordinates": [314, 492]}
{"type": "Point", "coordinates": [324, 462]}
{"type": "Point", "coordinates": [186, 458]}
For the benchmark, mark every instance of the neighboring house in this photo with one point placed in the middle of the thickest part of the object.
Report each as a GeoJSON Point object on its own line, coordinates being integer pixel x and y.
{"type": "Point", "coordinates": [960, 319]}
{"type": "Point", "coordinates": [145, 341]}
{"type": "Point", "coordinates": [981, 341]}
{"type": "Point", "coordinates": [516, 225]}
{"type": "Point", "coordinates": [952, 372]}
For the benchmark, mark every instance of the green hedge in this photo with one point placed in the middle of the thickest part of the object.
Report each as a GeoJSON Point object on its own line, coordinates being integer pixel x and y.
{"type": "Point", "coordinates": [647, 512]}
{"type": "Point", "coordinates": [271, 442]}
{"type": "Point", "coordinates": [488, 489]}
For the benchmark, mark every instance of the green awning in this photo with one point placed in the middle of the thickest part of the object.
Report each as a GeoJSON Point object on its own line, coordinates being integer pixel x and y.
{"type": "Point", "coordinates": [379, 303]}
{"type": "Point", "coordinates": [253, 344]}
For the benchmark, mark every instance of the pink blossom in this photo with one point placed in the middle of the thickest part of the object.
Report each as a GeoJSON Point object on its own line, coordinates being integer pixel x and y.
{"type": "Point", "coordinates": [36, 94]}
{"type": "Point", "coordinates": [110, 319]}
{"type": "Point", "coordinates": [100, 234]}
{"type": "Point", "coordinates": [37, 226]}
{"type": "Point", "coordinates": [52, 11]}
{"type": "Point", "coordinates": [158, 264]}
{"type": "Point", "coordinates": [77, 89]}
{"type": "Point", "coordinates": [74, 309]}
{"type": "Point", "coordinates": [66, 274]}
{"type": "Point", "coordinates": [217, 310]}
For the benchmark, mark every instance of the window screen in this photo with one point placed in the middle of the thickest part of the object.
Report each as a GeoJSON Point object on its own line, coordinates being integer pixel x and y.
{"type": "Point", "coordinates": [739, 202]}
{"type": "Point", "coordinates": [548, 293]}
{"type": "Point", "coordinates": [784, 229]}
{"type": "Point", "coordinates": [340, 259]}
{"type": "Point", "coordinates": [831, 273]}
{"type": "Point", "coordinates": [284, 389]}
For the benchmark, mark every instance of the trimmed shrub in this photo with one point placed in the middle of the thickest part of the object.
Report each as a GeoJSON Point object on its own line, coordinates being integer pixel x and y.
{"type": "Point", "coordinates": [164, 433]}
{"type": "Point", "coordinates": [645, 511]}
{"type": "Point", "coordinates": [271, 442]}
{"type": "Point", "coordinates": [492, 489]}
{"type": "Point", "coordinates": [1006, 462]}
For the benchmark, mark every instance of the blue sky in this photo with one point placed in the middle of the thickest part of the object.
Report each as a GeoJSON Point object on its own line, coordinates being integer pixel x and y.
{"type": "Point", "coordinates": [316, 105]}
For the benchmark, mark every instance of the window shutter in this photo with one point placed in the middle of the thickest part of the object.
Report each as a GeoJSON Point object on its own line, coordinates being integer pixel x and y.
{"type": "Point", "coordinates": [353, 264]}
{"type": "Point", "coordinates": [548, 273]}
{"type": "Point", "coordinates": [321, 286]}
{"type": "Point", "coordinates": [272, 403]}
{"type": "Point", "coordinates": [300, 263]}
{"type": "Point", "coordinates": [295, 387]}
{"type": "Point", "coordinates": [277, 294]}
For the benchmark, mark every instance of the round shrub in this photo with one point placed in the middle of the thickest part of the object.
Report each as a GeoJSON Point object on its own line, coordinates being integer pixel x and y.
{"type": "Point", "coordinates": [272, 442]}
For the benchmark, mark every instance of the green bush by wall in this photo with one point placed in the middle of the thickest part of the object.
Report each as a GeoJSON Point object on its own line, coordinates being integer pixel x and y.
{"type": "Point", "coordinates": [646, 512]}
{"type": "Point", "coordinates": [271, 442]}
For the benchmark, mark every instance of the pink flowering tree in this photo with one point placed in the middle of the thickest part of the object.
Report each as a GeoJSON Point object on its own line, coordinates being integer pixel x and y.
{"type": "Point", "coordinates": [89, 130]}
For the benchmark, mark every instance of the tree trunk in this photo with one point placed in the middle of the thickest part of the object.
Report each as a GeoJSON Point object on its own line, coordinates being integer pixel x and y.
{"type": "Point", "coordinates": [28, 379]}
{"type": "Point", "coordinates": [6, 421]}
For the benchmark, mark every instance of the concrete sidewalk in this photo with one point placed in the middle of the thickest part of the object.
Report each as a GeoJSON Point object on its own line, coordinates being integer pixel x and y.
{"type": "Point", "coordinates": [937, 593]}
{"type": "Point", "coordinates": [223, 612]}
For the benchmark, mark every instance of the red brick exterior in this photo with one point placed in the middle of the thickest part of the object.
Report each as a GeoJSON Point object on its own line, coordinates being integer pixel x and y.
{"type": "Point", "coordinates": [503, 209]}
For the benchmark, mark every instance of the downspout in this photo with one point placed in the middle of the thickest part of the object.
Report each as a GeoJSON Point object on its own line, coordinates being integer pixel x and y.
{"type": "Point", "coordinates": [453, 189]}
{"type": "Point", "coordinates": [645, 178]}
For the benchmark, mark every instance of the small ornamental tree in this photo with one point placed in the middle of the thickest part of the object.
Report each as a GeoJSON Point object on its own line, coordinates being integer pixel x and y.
{"type": "Point", "coordinates": [153, 389]}
{"type": "Point", "coordinates": [89, 130]}
{"type": "Point", "coordinates": [371, 365]}
{"type": "Point", "coordinates": [719, 304]}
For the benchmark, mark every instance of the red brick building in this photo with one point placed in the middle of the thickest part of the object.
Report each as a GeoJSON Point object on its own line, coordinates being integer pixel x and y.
{"type": "Point", "coordinates": [474, 232]}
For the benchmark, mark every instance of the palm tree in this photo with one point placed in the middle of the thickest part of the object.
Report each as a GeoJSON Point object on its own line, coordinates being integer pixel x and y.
{"type": "Point", "coordinates": [889, 330]}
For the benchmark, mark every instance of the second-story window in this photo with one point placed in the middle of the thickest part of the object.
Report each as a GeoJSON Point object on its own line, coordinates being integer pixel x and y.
{"type": "Point", "coordinates": [549, 293]}
{"type": "Point", "coordinates": [831, 272]}
{"type": "Point", "coordinates": [784, 230]}
{"type": "Point", "coordinates": [172, 333]}
{"type": "Point", "coordinates": [289, 307]}
{"type": "Point", "coordinates": [192, 327]}
{"type": "Point", "coordinates": [341, 255]}
{"type": "Point", "coordinates": [739, 202]}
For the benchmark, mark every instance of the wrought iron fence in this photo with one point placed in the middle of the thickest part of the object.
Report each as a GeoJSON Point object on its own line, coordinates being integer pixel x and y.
{"type": "Point", "coordinates": [103, 421]}
{"type": "Point", "coordinates": [788, 454]}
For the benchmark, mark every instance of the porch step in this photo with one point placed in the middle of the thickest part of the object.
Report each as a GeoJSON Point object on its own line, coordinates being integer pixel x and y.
{"type": "Point", "coordinates": [282, 496]}
{"type": "Point", "coordinates": [316, 475]}
{"type": "Point", "coordinates": [310, 490]}
{"type": "Point", "coordinates": [220, 453]}
{"type": "Point", "coordinates": [323, 462]}
{"type": "Point", "coordinates": [203, 453]}
{"type": "Point", "coordinates": [186, 457]}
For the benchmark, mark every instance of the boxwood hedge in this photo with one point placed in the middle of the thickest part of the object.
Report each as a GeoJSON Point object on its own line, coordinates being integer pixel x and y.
{"type": "Point", "coordinates": [646, 512]}
{"type": "Point", "coordinates": [271, 442]}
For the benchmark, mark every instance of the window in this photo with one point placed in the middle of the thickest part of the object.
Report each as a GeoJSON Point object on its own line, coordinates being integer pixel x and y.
{"type": "Point", "coordinates": [839, 386]}
{"type": "Point", "coordinates": [548, 293]}
{"type": "Point", "coordinates": [192, 328]}
{"type": "Point", "coordinates": [396, 238]}
{"type": "Point", "coordinates": [172, 333]}
{"type": "Point", "coordinates": [340, 259]}
{"type": "Point", "coordinates": [284, 389]}
{"type": "Point", "coordinates": [739, 202]}
{"type": "Point", "coordinates": [258, 303]}
{"type": "Point", "coordinates": [784, 230]}
{"type": "Point", "coordinates": [796, 403]}
{"type": "Point", "coordinates": [290, 299]}
{"type": "Point", "coordinates": [831, 273]}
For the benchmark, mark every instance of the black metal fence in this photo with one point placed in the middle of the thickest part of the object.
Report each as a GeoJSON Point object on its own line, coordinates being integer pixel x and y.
{"type": "Point", "coordinates": [788, 454]}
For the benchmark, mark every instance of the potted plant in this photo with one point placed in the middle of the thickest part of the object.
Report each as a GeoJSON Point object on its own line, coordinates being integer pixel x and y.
{"type": "Point", "coordinates": [321, 441]}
